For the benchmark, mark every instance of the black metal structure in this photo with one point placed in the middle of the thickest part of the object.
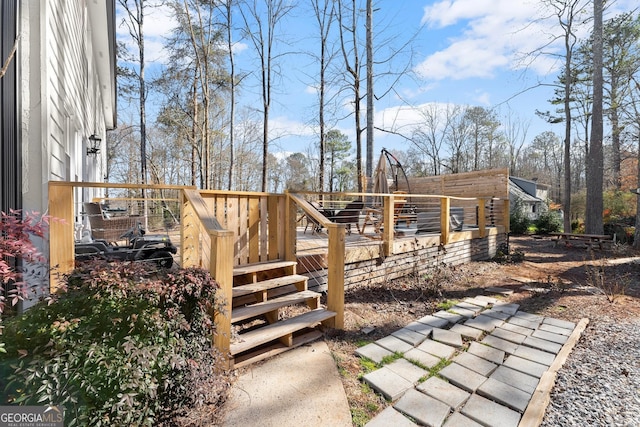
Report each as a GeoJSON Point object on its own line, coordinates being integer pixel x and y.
{"type": "Point", "coordinates": [10, 155]}
{"type": "Point", "coordinates": [396, 170]}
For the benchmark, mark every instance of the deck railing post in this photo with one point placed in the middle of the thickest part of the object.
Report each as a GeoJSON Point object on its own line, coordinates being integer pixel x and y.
{"type": "Point", "coordinates": [221, 269]}
{"type": "Point", "coordinates": [482, 219]}
{"type": "Point", "coordinates": [445, 229]}
{"type": "Point", "coordinates": [61, 241]}
{"type": "Point", "coordinates": [290, 229]}
{"type": "Point", "coordinates": [335, 285]}
{"type": "Point", "coordinates": [189, 235]}
{"type": "Point", "coordinates": [388, 224]}
{"type": "Point", "coordinates": [275, 222]}
{"type": "Point", "coordinates": [506, 216]}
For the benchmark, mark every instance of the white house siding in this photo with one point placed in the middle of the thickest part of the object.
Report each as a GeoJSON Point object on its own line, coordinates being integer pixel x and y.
{"type": "Point", "coordinates": [62, 89]}
{"type": "Point", "coordinates": [60, 101]}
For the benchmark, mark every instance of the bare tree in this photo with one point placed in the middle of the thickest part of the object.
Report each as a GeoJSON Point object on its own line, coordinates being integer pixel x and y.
{"type": "Point", "coordinates": [595, 164]}
{"type": "Point", "coordinates": [567, 12]}
{"type": "Point", "coordinates": [227, 7]}
{"type": "Point", "coordinates": [261, 31]}
{"type": "Point", "coordinates": [134, 21]}
{"type": "Point", "coordinates": [430, 136]}
{"type": "Point", "coordinates": [350, 47]}
{"type": "Point", "coordinates": [324, 13]}
{"type": "Point", "coordinates": [515, 134]}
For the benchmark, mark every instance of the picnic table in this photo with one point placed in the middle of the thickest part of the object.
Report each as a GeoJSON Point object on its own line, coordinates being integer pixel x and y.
{"type": "Point", "coordinates": [591, 240]}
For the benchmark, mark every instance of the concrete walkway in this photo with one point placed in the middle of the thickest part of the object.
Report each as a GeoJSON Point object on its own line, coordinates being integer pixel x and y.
{"type": "Point", "coordinates": [301, 387]}
{"type": "Point", "coordinates": [494, 366]}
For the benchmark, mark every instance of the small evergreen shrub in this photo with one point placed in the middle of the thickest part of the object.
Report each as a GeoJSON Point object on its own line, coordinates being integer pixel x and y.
{"type": "Point", "coordinates": [548, 222]}
{"type": "Point", "coordinates": [124, 345]}
{"type": "Point", "coordinates": [518, 221]}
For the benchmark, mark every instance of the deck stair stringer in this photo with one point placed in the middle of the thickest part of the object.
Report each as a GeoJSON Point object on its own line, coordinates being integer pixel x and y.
{"type": "Point", "coordinates": [262, 321]}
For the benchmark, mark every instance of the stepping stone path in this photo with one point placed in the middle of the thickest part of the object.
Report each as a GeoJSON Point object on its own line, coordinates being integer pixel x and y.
{"type": "Point", "coordinates": [492, 357]}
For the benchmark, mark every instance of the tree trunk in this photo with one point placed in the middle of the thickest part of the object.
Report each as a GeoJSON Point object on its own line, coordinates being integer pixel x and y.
{"type": "Point", "coordinates": [595, 167]}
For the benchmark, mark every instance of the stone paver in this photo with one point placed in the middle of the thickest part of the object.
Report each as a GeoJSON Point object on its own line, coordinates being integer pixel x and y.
{"type": "Point", "coordinates": [519, 380]}
{"type": "Point", "coordinates": [504, 345]}
{"type": "Point", "coordinates": [497, 314]}
{"type": "Point", "coordinates": [504, 393]}
{"type": "Point", "coordinates": [535, 355]}
{"type": "Point", "coordinates": [555, 329]}
{"type": "Point", "coordinates": [409, 336]}
{"type": "Point", "coordinates": [444, 392]}
{"type": "Point", "coordinates": [559, 323]}
{"type": "Point", "coordinates": [440, 350]}
{"type": "Point", "coordinates": [390, 417]}
{"type": "Point", "coordinates": [488, 353]}
{"type": "Point", "coordinates": [480, 385]}
{"type": "Point", "coordinates": [467, 331]}
{"type": "Point", "coordinates": [407, 370]}
{"type": "Point", "coordinates": [526, 366]}
{"type": "Point", "coordinates": [479, 302]}
{"type": "Point", "coordinates": [506, 307]}
{"type": "Point", "coordinates": [475, 363]}
{"type": "Point", "coordinates": [421, 328]}
{"type": "Point", "coordinates": [422, 408]}
{"type": "Point", "coordinates": [446, 336]}
{"type": "Point", "coordinates": [462, 377]}
{"type": "Point", "coordinates": [489, 413]}
{"type": "Point", "coordinates": [485, 323]}
{"type": "Point", "coordinates": [374, 352]}
{"type": "Point", "coordinates": [517, 329]}
{"type": "Point", "coordinates": [541, 344]}
{"type": "Point", "coordinates": [550, 336]}
{"type": "Point", "coordinates": [436, 322]}
{"type": "Point", "coordinates": [450, 317]}
{"type": "Point", "coordinates": [490, 300]}
{"type": "Point", "coordinates": [463, 311]}
{"type": "Point", "coordinates": [508, 335]}
{"type": "Point", "coordinates": [524, 322]}
{"type": "Point", "coordinates": [476, 309]}
{"type": "Point", "coordinates": [423, 358]}
{"type": "Point", "coordinates": [387, 383]}
{"type": "Point", "coordinates": [458, 420]}
{"type": "Point", "coordinates": [529, 316]}
{"type": "Point", "coordinates": [394, 344]}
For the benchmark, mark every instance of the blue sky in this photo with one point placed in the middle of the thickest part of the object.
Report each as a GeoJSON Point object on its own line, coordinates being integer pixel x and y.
{"type": "Point", "coordinates": [468, 52]}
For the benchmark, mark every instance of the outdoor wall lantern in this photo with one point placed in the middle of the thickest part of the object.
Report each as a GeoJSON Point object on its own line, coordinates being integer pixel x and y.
{"type": "Point", "coordinates": [94, 144]}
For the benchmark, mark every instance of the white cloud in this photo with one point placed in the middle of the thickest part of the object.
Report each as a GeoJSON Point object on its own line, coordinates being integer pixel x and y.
{"type": "Point", "coordinates": [487, 37]}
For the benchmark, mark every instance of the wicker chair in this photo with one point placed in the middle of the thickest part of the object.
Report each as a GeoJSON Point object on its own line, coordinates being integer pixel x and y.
{"type": "Point", "coordinates": [109, 229]}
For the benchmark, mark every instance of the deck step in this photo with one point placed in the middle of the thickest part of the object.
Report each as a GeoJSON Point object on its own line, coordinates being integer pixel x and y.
{"type": "Point", "coordinates": [247, 312]}
{"type": "Point", "coordinates": [278, 330]}
{"type": "Point", "coordinates": [265, 285]}
{"type": "Point", "coordinates": [261, 266]}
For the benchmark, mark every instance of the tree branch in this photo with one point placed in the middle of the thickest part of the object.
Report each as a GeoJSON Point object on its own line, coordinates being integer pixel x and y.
{"type": "Point", "coordinates": [9, 58]}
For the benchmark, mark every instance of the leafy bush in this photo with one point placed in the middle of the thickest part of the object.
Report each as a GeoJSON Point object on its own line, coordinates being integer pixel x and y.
{"type": "Point", "coordinates": [548, 222]}
{"type": "Point", "coordinates": [518, 220]}
{"type": "Point", "coordinates": [16, 247]}
{"type": "Point", "coordinates": [125, 345]}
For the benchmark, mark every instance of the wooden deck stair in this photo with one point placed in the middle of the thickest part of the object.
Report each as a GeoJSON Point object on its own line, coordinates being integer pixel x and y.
{"type": "Point", "coordinates": [260, 292]}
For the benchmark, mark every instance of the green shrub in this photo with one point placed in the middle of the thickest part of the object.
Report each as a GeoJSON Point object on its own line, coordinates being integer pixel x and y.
{"type": "Point", "coordinates": [125, 345]}
{"type": "Point", "coordinates": [518, 220]}
{"type": "Point", "coordinates": [548, 222]}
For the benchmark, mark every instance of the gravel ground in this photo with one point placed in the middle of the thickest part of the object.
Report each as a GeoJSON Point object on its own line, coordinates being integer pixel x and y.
{"type": "Point", "coordinates": [599, 385]}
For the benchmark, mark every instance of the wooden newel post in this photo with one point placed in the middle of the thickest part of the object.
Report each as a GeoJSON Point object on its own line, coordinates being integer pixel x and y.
{"type": "Point", "coordinates": [189, 235]}
{"type": "Point", "coordinates": [61, 239]}
{"type": "Point", "coordinates": [221, 270]}
{"type": "Point", "coordinates": [388, 228]}
{"type": "Point", "coordinates": [335, 291]}
{"type": "Point", "coordinates": [445, 228]}
{"type": "Point", "coordinates": [482, 219]}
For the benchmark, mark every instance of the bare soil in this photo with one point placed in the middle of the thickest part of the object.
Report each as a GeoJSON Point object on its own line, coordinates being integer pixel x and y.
{"type": "Point", "coordinates": [553, 281]}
